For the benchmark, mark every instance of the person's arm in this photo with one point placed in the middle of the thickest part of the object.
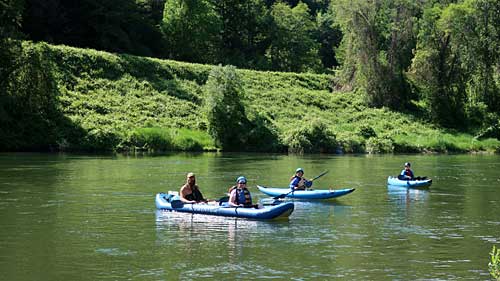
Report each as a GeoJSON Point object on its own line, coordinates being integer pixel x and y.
{"type": "Point", "coordinates": [294, 183]}
{"type": "Point", "coordinates": [183, 193]}
{"type": "Point", "coordinates": [308, 183]}
{"type": "Point", "coordinates": [405, 176]}
{"type": "Point", "coordinates": [232, 199]}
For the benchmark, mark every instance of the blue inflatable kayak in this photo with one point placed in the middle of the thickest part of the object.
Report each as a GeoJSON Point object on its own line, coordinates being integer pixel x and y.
{"type": "Point", "coordinates": [167, 202]}
{"type": "Point", "coordinates": [305, 194]}
{"type": "Point", "coordinates": [409, 183]}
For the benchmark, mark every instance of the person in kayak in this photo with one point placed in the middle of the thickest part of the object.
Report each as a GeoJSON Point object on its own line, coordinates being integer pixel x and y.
{"type": "Point", "coordinates": [298, 182]}
{"type": "Point", "coordinates": [239, 195]}
{"type": "Point", "coordinates": [406, 173]}
{"type": "Point", "coordinates": [190, 192]}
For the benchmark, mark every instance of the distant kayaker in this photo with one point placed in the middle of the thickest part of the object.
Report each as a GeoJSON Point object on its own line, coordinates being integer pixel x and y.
{"type": "Point", "coordinates": [190, 192]}
{"type": "Point", "coordinates": [239, 195]}
{"type": "Point", "coordinates": [406, 173]}
{"type": "Point", "coordinates": [298, 182]}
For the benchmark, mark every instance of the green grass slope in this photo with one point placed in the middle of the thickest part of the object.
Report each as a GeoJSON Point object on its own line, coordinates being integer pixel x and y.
{"type": "Point", "coordinates": [115, 102]}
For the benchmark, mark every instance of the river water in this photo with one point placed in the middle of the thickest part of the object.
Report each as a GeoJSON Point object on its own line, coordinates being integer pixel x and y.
{"type": "Point", "coordinates": [93, 217]}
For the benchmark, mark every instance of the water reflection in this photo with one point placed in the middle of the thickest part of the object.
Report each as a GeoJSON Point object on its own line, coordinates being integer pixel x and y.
{"type": "Point", "coordinates": [404, 195]}
{"type": "Point", "coordinates": [204, 228]}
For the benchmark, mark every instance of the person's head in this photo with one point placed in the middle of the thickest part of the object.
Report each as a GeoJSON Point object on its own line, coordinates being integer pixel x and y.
{"type": "Point", "coordinates": [190, 178]}
{"type": "Point", "coordinates": [407, 165]}
{"type": "Point", "coordinates": [241, 182]}
{"type": "Point", "coordinates": [299, 172]}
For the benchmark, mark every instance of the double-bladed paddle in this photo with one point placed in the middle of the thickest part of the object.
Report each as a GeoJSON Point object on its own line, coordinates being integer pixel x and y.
{"type": "Point", "coordinates": [281, 196]}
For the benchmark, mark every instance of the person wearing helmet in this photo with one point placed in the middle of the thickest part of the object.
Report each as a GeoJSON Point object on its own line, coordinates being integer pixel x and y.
{"type": "Point", "coordinates": [406, 173]}
{"type": "Point", "coordinates": [239, 195]}
{"type": "Point", "coordinates": [298, 182]}
{"type": "Point", "coordinates": [190, 192]}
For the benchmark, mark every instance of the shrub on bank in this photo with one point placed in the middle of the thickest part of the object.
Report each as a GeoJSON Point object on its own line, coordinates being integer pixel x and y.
{"type": "Point", "coordinates": [310, 137]}
{"type": "Point", "coordinates": [165, 139]}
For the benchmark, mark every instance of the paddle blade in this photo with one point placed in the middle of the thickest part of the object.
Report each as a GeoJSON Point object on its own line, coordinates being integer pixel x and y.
{"type": "Point", "coordinates": [281, 196]}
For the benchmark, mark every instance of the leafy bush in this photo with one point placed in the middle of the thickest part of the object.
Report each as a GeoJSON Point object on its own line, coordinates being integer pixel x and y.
{"type": "Point", "coordinates": [29, 115]}
{"type": "Point", "coordinates": [261, 135]}
{"type": "Point", "coordinates": [223, 107]}
{"type": "Point", "coordinates": [379, 145]}
{"type": "Point", "coordinates": [311, 137]}
{"type": "Point", "coordinates": [162, 139]}
{"type": "Point", "coordinates": [494, 264]}
{"type": "Point", "coordinates": [151, 139]}
{"type": "Point", "coordinates": [367, 132]}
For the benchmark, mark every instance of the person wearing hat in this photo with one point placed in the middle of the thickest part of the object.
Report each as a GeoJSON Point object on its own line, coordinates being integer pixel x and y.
{"type": "Point", "coordinates": [406, 173]}
{"type": "Point", "coordinates": [239, 195]}
{"type": "Point", "coordinates": [298, 182]}
{"type": "Point", "coordinates": [190, 192]}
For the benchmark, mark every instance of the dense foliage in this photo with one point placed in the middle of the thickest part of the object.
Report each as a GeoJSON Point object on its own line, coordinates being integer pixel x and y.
{"type": "Point", "coordinates": [94, 100]}
{"type": "Point", "coordinates": [435, 61]}
{"type": "Point", "coordinates": [224, 108]}
{"type": "Point", "coordinates": [494, 264]}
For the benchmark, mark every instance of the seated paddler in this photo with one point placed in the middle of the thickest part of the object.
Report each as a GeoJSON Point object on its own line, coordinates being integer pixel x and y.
{"type": "Point", "coordinates": [190, 192]}
{"type": "Point", "coordinates": [298, 182]}
{"type": "Point", "coordinates": [239, 195]}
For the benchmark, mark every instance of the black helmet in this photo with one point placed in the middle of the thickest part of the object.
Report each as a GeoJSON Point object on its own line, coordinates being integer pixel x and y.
{"type": "Point", "coordinates": [408, 164]}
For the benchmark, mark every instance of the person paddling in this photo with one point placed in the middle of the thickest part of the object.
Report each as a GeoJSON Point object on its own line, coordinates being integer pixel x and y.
{"type": "Point", "coordinates": [239, 195]}
{"type": "Point", "coordinates": [406, 173]}
{"type": "Point", "coordinates": [190, 192]}
{"type": "Point", "coordinates": [298, 182]}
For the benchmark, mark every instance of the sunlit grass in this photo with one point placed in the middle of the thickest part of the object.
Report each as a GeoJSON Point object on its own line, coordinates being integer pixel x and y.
{"type": "Point", "coordinates": [166, 139]}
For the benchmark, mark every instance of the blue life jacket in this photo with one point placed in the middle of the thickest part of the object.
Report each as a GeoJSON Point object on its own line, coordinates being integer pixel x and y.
{"type": "Point", "coordinates": [243, 197]}
{"type": "Point", "coordinates": [407, 173]}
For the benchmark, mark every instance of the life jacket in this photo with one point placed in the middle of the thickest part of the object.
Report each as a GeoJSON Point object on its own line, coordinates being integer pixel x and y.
{"type": "Point", "coordinates": [408, 173]}
{"type": "Point", "coordinates": [300, 183]}
{"type": "Point", "coordinates": [242, 196]}
{"type": "Point", "coordinates": [195, 195]}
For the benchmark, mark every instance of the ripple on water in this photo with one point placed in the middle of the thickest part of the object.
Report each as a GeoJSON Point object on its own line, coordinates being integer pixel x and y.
{"type": "Point", "coordinates": [115, 252]}
{"type": "Point", "coordinates": [246, 270]}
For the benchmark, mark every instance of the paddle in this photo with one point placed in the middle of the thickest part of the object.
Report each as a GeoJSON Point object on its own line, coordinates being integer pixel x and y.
{"type": "Point", "coordinates": [281, 196]}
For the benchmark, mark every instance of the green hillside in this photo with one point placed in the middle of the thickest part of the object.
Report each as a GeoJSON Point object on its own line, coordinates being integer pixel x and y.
{"type": "Point", "coordinates": [80, 99]}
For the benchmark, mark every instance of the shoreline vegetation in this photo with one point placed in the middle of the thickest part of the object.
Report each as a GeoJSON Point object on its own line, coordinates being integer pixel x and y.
{"type": "Point", "coordinates": [62, 98]}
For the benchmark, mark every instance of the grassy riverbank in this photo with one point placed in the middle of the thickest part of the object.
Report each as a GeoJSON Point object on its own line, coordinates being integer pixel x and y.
{"type": "Point", "coordinates": [68, 98]}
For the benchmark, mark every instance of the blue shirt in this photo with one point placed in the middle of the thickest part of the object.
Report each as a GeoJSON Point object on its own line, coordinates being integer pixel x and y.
{"type": "Point", "coordinates": [407, 173]}
{"type": "Point", "coordinates": [295, 182]}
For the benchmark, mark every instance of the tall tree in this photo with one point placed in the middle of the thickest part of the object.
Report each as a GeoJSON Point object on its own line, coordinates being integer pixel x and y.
{"type": "Point", "coordinates": [377, 43]}
{"type": "Point", "coordinates": [192, 29]}
{"type": "Point", "coordinates": [292, 46]}
{"type": "Point", "coordinates": [10, 50]}
{"type": "Point", "coordinates": [243, 33]}
{"type": "Point", "coordinates": [227, 121]}
{"type": "Point", "coordinates": [113, 25]}
{"type": "Point", "coordinates": [437, 70]}
{"type": "Point", "coordinates": [329, 35]}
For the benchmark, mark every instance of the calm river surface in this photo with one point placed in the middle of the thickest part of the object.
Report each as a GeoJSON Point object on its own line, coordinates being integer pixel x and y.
{"type": "Point", "coordinates": [93, 217]}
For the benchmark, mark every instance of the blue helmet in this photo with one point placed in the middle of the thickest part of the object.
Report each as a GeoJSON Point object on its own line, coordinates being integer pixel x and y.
{"type": "Point", "coordinates": [241, 179]}
{"type": "Point", "coordinates": [299, 170]}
